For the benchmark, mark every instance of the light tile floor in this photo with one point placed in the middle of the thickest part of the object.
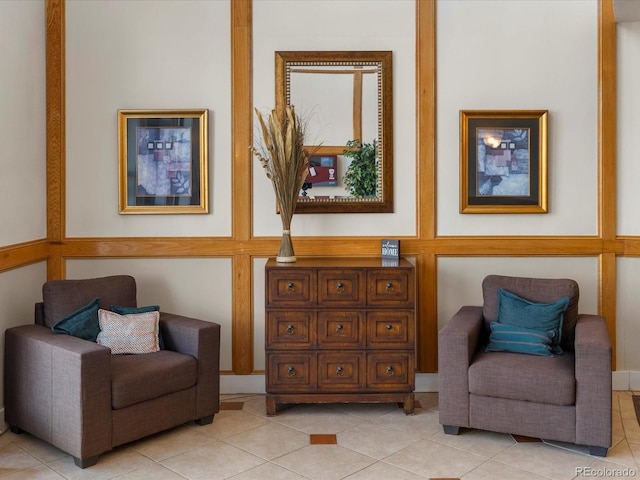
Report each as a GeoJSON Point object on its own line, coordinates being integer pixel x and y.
{"type": "Point", "coordinates": [372, 442]}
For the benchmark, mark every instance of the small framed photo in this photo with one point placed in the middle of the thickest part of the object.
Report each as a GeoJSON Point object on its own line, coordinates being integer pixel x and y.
{"type": "Point", "coordinates": [163, 161]}
{"type": "Point", "coordinates": [503, 161]}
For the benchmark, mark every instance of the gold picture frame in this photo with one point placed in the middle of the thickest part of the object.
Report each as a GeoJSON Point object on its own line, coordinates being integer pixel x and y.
{"type": "Point", "coordinates": [503, 161]}
{"type": "Point", "coordinates": [163, 161]}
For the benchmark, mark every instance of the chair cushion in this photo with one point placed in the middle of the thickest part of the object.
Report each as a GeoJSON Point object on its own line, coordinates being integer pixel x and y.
{"type": "Point", "coordinates": [83, 323]}
{"type": "Point", "coordinates": [138, 378]}
{"type": "Point", "coordinates": [129, 334]}
{"type": "Point", "coordinates": [545, 317]}
{"type": "Point", "coordinates": [62, 297]}
{"type": "Point", "coordinates": [538, 290]}
{"type": "Point", "coordinates": [549, 380]}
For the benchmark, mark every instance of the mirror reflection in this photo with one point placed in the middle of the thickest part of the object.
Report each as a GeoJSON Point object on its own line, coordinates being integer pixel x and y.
{"type": "Point", "coordinates": [345, 100]}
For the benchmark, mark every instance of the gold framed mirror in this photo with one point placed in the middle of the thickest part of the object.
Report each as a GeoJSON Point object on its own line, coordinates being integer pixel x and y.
{"type": "Point", "coordinates": [346, 101]}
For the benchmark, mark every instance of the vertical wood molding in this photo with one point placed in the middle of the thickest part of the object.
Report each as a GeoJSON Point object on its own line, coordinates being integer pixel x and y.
{"type": "Point", "coordinates": [55, 97]}
{"type": "Point", "coordinates": [427, 309]}
{"type": "Point", "coordinates": [607, 161]}
{"type": "Point", "coordinates": [241, 119]}
{"type": "Point", "coordinates": [426, 118]}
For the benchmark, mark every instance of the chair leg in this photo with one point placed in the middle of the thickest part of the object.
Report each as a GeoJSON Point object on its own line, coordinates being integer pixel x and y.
{"type": "Point", "coordinates": [85, 462]}
{"type": "Point", "coordinates": [451, 429]}
{"type": "Point", "coordinates": [597, 451]}
{"type": "Point", "coordinates": [205, 420]}
{"type": "Point", "coordinates": [16, 430]}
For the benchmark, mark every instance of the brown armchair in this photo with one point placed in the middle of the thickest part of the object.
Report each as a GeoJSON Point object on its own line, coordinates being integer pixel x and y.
{"type": "Point", "coordinates": [564, 397]}
{"type": "Point", "coordinates": [73, 394]}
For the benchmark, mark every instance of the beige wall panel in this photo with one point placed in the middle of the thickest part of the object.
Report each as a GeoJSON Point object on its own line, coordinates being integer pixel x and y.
{"type": "Point", "coordinates": [522, 55]}
{"type": "Point", "coordinates": [628, 312]}
{"type": "Point", "coordinates": [22, 122]}
{"type": "Point", "coordinates": [460, 279]}
{"type": "Point", "coordinates": [142, 55]}
{"type": "Point", "coordinates": [194, 287]}
{"type": "Point", "coordinates": [344, 25]}
{"type": "Point", "coordinates": [258, 313]}
{"type": "Point", "coordinates": [628, 128]}
{"type": "Point", "coordinates": [20, 289]}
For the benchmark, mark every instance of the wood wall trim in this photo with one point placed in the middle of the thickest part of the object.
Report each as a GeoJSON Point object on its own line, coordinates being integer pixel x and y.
{"type": "Point", "coordinates": [22, 254]}
{"type": "Point", "coordinates": [426, 277]}
{"type": "Point", "coordinates": [607, 162]}
{"type": "Point", "coordinates": [242, 213]}
{"type": "Point", "coordinates": [56, 119]}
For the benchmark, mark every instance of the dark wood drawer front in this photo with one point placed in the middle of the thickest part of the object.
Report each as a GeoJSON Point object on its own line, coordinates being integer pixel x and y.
{"type": "Point", "coordinates": [390, 287]}
{"type": "Point", "coordinates": [290, 329]}
{"type": "Point", "coordinates": [390, 370]}
{"type": "Point", "coordinates": [341, 287]}
{"type": "Point", "coordinates": [390, 329]}
{"type": "Point", "coordinates": [290, 288]}
{"type": "Point", "coordinates": [341, 329]}
{"type": "Point", "coordinates": [289, 372]}
{"type": "Point", "coordinates": [341, 372]}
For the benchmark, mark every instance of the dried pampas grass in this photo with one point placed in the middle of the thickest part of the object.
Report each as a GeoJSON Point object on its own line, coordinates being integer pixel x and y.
{"type": "Point", "coordinates": [286, 164]}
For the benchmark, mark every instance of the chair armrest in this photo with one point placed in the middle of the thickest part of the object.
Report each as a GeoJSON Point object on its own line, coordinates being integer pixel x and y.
{"type": "Point", "coordinates": [593, 381]}
{"type": "Point", "coordinates": [457, 343]}
{"type": "Point", "coordinates": [58, 388]}
{"type": "Point", "coordinates": [201, 340]}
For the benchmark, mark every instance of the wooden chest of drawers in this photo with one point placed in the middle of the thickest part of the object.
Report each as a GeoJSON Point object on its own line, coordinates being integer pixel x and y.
{"type": "Point", "coordinates": [339, 330]}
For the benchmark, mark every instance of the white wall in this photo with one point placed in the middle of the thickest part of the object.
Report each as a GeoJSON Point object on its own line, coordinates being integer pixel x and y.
{"type": "Point", "coordinates": [141, 55]}
{"type": "Point", "coordinates": [345, 25]}
{"type": "Point", "coordinates": [22, 122]}
{"type": "Point", "coordinates": [628, 161]}
{"type": "Point", "coordinates": [628, 128]}
{"type": "Point", "coordinates": [22, 156]}
{"type": "Point", "coordinates": [460, 279]}
{"type": "Point", "coordinates": [193, 287]}
{"type": "Point", "coordinates": [521, 56]}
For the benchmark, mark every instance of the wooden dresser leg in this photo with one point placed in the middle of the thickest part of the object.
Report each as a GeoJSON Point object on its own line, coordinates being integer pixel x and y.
{"type": "Point", "coordinates": [270, 403]}
{"type": "Point", "coordinates": [409, 404]}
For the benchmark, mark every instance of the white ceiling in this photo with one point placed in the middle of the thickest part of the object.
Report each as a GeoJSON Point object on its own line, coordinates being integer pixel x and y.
{"type": "Point", "coordinates": [626, 10]}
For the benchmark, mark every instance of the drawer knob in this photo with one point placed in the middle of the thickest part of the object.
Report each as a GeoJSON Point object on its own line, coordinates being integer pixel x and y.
{"type": "Point", "coordinates": [389, 287]}
{"type": "Point", "coordinates": [340, 287]}
{"type": "Point", "coordinates": [390, 371]}
{"type": "Point", "coordinates": [291, 287]}
{"type": "Point", "coordinates": [339, 328]}
{"type": "Point", "coordinates": [290, 329]}
{"type": "Point", "coordinates": [291, 372]}
{"type": "Point", "coordinates": [340, 370]}
{"type": "Point", "coordinates": [388, 326]}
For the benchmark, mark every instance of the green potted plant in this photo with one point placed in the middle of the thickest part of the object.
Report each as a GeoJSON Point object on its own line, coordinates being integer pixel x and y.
{"type": "Point", "coordinates": [361, 177]}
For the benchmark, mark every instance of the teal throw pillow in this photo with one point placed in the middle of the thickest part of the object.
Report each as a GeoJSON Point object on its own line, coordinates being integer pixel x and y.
{"type": "Point", "coordinates": [83, 323]}
{"type": "Point", "coordinates": [134, 310]}
{"type": "Point", "coordinates": [545, 317]}
{"type": "Point", "coordinates": [511, 338]}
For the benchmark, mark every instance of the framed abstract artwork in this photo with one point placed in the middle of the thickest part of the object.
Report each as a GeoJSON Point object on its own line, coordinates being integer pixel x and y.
{"type": "Point", "coordinates": [163, 160]}
{"type": "Point", "coordinates": [503, 161]}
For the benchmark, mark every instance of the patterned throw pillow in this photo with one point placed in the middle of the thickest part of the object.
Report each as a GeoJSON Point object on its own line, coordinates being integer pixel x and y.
{"type": "Point", "coordinates": [129, 310]}
{"type": "Point", "coordinates": [131, 334]}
